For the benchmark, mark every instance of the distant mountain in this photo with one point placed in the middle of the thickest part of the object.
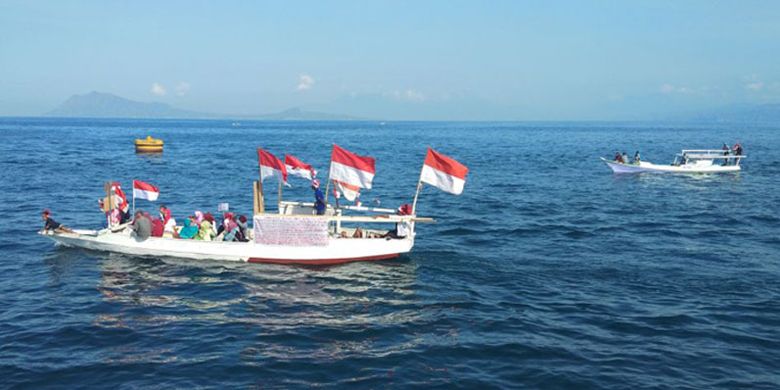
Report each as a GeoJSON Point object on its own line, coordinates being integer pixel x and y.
{"type": "Point", "coordinates": [106, 105]}
{"type": "Point", "coordinates": [741, 113]}
{"type": "Point", "coordinates": [296, 114]}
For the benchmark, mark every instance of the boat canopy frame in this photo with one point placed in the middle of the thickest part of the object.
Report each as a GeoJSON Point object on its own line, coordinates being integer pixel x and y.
{"type": "Point", "coordinates": [706, 154]}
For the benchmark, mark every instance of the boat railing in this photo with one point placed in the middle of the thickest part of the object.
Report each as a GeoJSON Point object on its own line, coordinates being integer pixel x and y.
{"type": "Point", "coordinates": [381, 215]}
{"type": "Point", "coordinates": [290, 206]}
{"type": "Point", "coordinates": [336, 218]}
{"type": "Point", "coordinates": [709, 154]}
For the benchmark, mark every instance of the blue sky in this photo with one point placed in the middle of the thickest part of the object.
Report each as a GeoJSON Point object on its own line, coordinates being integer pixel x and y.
{"type": "Point", "coordinates": [430, 60]}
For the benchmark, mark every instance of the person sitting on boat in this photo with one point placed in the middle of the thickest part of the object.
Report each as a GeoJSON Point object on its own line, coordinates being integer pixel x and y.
{"type": "Point", "coordinates": [198, 217]}
{"type": "Point", "coordinates": [618, 157]}
{"type": "Point", "coordinates": [624, 157]}
{"type": "Point", "coordinates": [223, 223]}
{"type": "Point", "coordinates": [169, 223]}
{"type": "Point", "coordinates": [158, 227]}
{"type": "Point", "coordinates": [243, 234]}
{"type": "Point", "coordinates": [124, 214]}
{"type": "Point", "coordinates": [230, 228]}
{"type": "Point", "coordinates": [209, 217]}
{"type": "Point", "coordinates": [402, 229]}
{"type": "Point", "coordinates": [205, 231]}
{"type": "Point", "coordinates": [141, 226]}
{"type": "Point", "coordinates": [319, 197]}
{"type": "Point", "coordinates": [637, 158]}
{"type": "Point", "coordinates": [358, 233]}
{"type": "Point", "coordinates": [189, 230]}
{"type": "Point", "coordinates": [49, 224]}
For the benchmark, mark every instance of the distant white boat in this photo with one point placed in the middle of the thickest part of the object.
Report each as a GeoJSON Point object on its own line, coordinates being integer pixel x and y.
{"type": "Point", "coordinates": [687, 161]}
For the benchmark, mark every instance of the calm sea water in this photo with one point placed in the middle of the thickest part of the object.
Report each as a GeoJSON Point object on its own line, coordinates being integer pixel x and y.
{"type": "Point", "coordinates": [549, 271]}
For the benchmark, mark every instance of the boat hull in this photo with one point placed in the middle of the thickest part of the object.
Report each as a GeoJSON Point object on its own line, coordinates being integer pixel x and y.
{"type": "Point", "coordinates": [337, 251]}
{"type": "Point", "coordinates": [653, 168]}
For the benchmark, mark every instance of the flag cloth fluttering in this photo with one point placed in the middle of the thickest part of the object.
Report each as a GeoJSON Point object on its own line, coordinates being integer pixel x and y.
{"type": "Point", "coordinates": [119, 196]}
{"type": "Point", "coordinates": [349, 191]}
{"type": "Point", "coordinates": [350, 168]}
{"type": "Point", "coordinates": [271, 166]}
{"type": "Point", "coordinates": [297, 167]}
{"type": "Point", "coordinates": [443, 172]}
{"type": "Point", "coordinates": [142, 190]}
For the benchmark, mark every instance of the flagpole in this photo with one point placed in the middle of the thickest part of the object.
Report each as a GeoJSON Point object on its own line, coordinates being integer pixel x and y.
{"type": "Point", "coordinates": [327, 185]}
{"type": "Point", "coordinates": [133, 198]}
{"type": "Point", "coordinates": [280, 194]}
{"type": "Point", "coordinates": [416, 195]}
{"type": "Point", "coordinates": [417, 192]}
{"type": "Point", "coordinates": [260, 190]}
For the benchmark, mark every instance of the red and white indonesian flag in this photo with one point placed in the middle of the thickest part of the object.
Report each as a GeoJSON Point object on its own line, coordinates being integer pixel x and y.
{"type": "Point", "coordinates": [443, 172]}
{"type": "Point", "coordinates": [144, 190]}
{"type": "Point", "coordinates": [270, 166]}
{"type": "Point", "coordinates": [350, 168]}
{"type": "Point", "coordinates": [349, 191]}
{"type": "Point", "coordinates": [119, 196]}
{"type": "Point", "coordinates": [299, 168]}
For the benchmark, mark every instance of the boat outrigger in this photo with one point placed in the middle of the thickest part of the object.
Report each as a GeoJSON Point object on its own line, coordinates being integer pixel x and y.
{"type": "Point", "coordinates": [687, 161]}
{"type": "Point", "coordinates": [296, 234]}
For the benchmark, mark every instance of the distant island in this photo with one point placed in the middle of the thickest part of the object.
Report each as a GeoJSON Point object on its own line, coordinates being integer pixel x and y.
{"type": "Point", "coordinates": [741, 113]}
{"type": "Point", "coordinates": [106, 105]}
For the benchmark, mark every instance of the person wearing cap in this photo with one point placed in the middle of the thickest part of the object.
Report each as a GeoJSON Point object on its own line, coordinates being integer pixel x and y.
{"type": "Point", "coordinates": [319, 197]}
{"type": "Point", "coordinates": [49, 224]}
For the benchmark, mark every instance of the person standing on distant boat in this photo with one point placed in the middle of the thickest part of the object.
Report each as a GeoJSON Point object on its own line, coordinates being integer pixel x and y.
{"type": "Point", "coordinates": [319, 197]}
{"type": "Point", "coordinates": [637, 159]}
{"type": "Point", "coordinates": [726, 151]}
{"type": "Point", "coordinates": [737, 152]}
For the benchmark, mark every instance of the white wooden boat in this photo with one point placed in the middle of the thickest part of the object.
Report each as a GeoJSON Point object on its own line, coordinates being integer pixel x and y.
{"type": "Point", "coordinates": [687, 161]}
{"type": "Point", "coordinates": [331, 244]}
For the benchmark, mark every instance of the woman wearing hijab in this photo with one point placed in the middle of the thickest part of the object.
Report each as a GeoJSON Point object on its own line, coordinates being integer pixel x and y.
{"type": "Point", "coordinates": [169, 223]}
{"type": "Point", "coordinates": [189, 230]}
{"type": "Point", "coordinates": [231, 228]}
{"type": "Point", "coordinates": [206, 232]}
{"type": "Point", "coordinates": [242, 235]}
{"type": "Point", "coordinates": [198, 217]}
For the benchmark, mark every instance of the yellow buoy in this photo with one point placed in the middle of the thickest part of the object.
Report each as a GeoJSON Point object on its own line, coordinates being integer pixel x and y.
{"type": "Point", "coordinates": [148, 145]}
